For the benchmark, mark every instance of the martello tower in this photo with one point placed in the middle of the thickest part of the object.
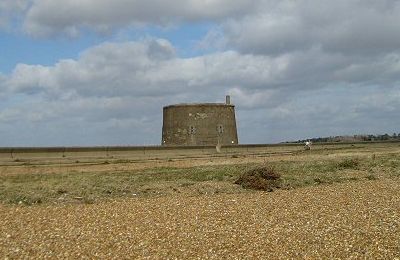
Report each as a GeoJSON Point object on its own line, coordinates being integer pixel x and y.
{"type": "Point", "coordinates": [199, 124]}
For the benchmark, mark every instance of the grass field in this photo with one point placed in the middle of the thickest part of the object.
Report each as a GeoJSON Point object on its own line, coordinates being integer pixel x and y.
{"type": "Point", "coordinates": [35, 189]}
{"type": "Point", "coordinates": [41, 181]}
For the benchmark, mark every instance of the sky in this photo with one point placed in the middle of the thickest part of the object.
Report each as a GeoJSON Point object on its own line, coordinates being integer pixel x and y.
{"type": "Point", "coordinates": [98, 72]}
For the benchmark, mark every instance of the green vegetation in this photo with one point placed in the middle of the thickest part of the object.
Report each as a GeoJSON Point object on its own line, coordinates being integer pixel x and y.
{"type": "Point", "coordinates": [88, 187]}
{"type": "Point", "coordinates": [353, 138]}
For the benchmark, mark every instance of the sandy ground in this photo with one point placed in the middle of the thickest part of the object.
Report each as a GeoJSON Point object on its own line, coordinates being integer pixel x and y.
{"type": "Point", "coordinates": [356, 219]}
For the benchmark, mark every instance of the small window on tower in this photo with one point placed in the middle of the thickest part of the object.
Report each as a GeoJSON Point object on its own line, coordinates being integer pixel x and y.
{"type": "Point", "coordinates": [192, 130]}
{"type": "Point", "coordinates": [220, 129]}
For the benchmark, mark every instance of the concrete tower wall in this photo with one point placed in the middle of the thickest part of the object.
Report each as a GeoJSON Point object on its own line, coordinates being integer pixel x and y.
{"type": "Point", "coordinates": [199, 124]}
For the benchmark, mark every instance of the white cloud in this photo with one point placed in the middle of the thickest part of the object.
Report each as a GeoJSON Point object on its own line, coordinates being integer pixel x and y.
{"type": "Point", "coordinates": [10, 9]}
{"type": "Point", "coordinates": [264, 98]}
{"type": "Point", "coordinates": [150, 67]}
{"type": "Point", "coordinates": [70, 16]}
{"type": "Point", "coordinates": [323, 112]}
{"type": "Point", "coordinates": [343, 26]}
{"type": "Point", "coordinates": [145, 68]}
{"type": "Point", "coordinates": [30, 79]}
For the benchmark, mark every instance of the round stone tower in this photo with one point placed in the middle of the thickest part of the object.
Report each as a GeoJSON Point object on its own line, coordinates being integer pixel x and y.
{"type": "Point", "coordinates": [199, 124]}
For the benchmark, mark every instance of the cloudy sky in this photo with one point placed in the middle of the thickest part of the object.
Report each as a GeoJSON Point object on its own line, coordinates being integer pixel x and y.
{"type": "Point", "coordinates": [98, 72]}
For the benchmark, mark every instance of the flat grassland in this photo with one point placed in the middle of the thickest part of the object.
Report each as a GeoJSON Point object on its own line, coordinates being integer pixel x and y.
{"type": "Point", "coordinates": [333, 201]}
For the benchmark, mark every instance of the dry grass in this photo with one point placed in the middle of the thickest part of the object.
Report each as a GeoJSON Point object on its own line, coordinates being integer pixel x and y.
{"type": "Point", "coordinates": [52, 183]}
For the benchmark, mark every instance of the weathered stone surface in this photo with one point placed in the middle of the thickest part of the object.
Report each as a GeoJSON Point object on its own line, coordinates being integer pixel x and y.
{"type": "Point", "coordinates": [199, 124]}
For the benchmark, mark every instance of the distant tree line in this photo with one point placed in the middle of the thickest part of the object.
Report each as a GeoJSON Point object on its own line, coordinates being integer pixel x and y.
{"type": "Point", "coordinates": [354, 138]}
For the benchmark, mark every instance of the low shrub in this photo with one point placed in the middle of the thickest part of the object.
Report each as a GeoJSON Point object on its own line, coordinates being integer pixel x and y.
{"type": "Point", "coordinates": [260, 178]}
{"type": "Point", "coordinates": [371, 177]}
{"type": "Point", "coordinates": [348, 163]}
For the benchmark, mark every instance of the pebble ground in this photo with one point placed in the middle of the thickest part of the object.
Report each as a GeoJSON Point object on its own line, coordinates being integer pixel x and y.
{"type": "Point", "coordinates": [349, 220]}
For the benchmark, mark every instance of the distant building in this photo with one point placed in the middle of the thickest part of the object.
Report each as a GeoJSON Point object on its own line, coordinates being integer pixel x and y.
{"type": "Point", "coordinates": [199, 124]}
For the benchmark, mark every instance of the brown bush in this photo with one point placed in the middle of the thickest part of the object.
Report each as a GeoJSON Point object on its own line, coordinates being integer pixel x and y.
{"type": "Point", "coordinates": [261, 178]}
{"type": "Point", "coordinates": [349, 163]}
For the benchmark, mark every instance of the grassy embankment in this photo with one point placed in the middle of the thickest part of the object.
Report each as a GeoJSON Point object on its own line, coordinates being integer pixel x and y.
{"type": "Point", "coordinates": [64, 187]}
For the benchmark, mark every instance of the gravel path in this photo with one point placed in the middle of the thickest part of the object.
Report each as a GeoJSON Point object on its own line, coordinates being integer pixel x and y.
{"type": "Point", "coordinates": [358, 219]}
